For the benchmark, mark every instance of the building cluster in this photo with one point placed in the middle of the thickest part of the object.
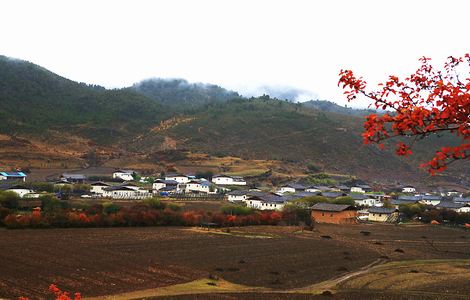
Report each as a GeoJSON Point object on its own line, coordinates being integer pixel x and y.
{"type": "Point", "coordinates": [368, 205]}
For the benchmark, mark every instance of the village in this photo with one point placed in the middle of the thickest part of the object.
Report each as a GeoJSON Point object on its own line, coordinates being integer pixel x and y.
{"type": "Point", "coordinates": [336, 204]}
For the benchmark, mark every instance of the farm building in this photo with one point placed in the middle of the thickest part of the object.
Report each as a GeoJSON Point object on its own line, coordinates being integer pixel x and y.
{"type": "Point", "coordinates": [291, 188]}
{"type": "Point", "coordinates": [365, 200]}
{"type": "Point", "coordinates": [408, 189]}
{"type": "Point", "coordinates": [22, 191]}
{"type": "Point", "coordinates": [13, 176]}
{"type": "Point", "coordinates": [126, 192]}
{"type": "Point", "coordinates": [383, 214]}
{"type": "Point", "coordinates": [237, 196]}
{"type": "Point", "coordinates": [458, 207]}
{"type": "Point", "coordinates": [97, 187]}
{"type": "Point", "coordinates": [228, 180]}
{"type": "Point", "coordinates": [362, 188]}
{"type": "Point", "coordinates": [318, 188]}
{"type": "Point", "coordinates": [198, 186]}
{"type": "Point", "coordinates": [179, 178]}
{"type": "Point", "coordinates": [266, 201]}
{"type": "Point", "coordinates": [334, 213]}
{"type": "Point", "coordinates": [74, 178]}
{"type": "Point", "coordinates": [159, 184]}
{"type": "Point", "coordinates": [126, 175]}
{"type": "Point", "coordinates": [431, 200]}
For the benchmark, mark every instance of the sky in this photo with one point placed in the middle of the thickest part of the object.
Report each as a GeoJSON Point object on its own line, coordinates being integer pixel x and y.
{"type": "Point", "coordinates": [292, 47]}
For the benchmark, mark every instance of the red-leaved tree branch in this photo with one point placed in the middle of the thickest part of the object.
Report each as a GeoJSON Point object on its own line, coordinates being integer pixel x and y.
{"type": "Point", "coordinates": [427, 102]}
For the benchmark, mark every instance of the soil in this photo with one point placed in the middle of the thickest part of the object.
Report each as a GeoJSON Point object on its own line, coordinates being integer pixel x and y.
{"type": "Point", "coordinates": [107, 261]}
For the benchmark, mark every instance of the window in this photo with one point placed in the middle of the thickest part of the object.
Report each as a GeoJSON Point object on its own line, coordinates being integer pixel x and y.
{"type": "Point", "coordinates": [331, 215]}
{"type": "Point", "coordinates": [323, 214]}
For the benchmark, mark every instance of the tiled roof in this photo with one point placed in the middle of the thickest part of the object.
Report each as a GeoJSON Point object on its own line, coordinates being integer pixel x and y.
{"type": "Point", "coordinates": [331, 207]}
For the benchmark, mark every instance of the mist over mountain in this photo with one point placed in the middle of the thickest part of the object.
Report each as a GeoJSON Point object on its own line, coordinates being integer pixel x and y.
{"type": "Point", "coordinates": [179, 93]}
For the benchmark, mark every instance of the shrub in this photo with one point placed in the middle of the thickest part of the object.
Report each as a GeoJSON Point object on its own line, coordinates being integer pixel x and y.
{"type": "Point", "coordinates": [110, 208]}
{"type": "Point", "coordinates": [237, 210]}
{"type": "Point", "coordinates": [9, 200]}
{"type": "Point", "coordinates": [294, 215]}
{"type": "Point", "coordinates": [154, 203]}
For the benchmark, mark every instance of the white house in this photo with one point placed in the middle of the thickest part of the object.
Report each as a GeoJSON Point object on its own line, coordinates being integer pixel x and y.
{"type": "Point", "coordinates": [21, 191]}
{"type": "Point", "coordinates": [13, 176]}
{"type": "Point", "coordinates": [356, 189]}
{"type": "Point", "coordinates": [408, 189]}
{"type": "Point", "coordinates": [458, 207]}
{"type": "Point", "coordinates": [368, 202]}
{"type": "Point", "coordinates": [431, 200]}
{"type": "Point", "coordinates": [180, 178]}
{"type": "Point", "coordinates": [98, 187]}
{"type": "Point", "coordinates": [266, 202]}
{"type": "Point", "coordinates": [124, 192]}
{"type": "Point", "coordinates": [228, 180]}
{"type": "Point", "coordinates": [125, 175]}
{"type": "Point", "coordinates": [198, 186]}
{"type": "Point", "coordinates": [159, 184]}
{"type": "Point", "coordinates": [237, 196]}
{"type": "Point", "coordinates": [291, 188]}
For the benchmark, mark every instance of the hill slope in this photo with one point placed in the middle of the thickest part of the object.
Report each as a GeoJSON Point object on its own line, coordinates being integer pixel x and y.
{"type": "Point", "coordinates": [35, 100]}
{"type": "Point", "coordinates": [182, 95]}
{"type": "Point", "coordinates": [89, 123]}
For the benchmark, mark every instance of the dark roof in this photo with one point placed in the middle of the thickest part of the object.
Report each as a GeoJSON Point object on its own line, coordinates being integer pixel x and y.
{"type": "Point", "coordinates": [167, 188]}
{"type": "Point", "coordinates": [18, 186]}
{"type": "Point", "coordinates": [124, 171]}
{"type": "Point", "coordinates": [332, 207]}
{"type": "Point", "coordinates": [238, 193]}
{"type": "Point", "coordinates": [364, 186]}
{"type": "Point", "coordinates": [99, 183]}
{"type": "Point", "coordinates": [342, 187]}
{"type": "Point", "coordinates": [431, 197]}
{"type": "Point", "coordinates": [74, 176]}
{"type": "Point", "coordinates": [221, 175]}
{"type": "Point", "coordinates": [269, 197]}
{"type": "Point", "coordinates": [175, 175]}
{"type": "Point", "coordinates": [461, 199]}
{"type": "Point", "coordinates": [358, 196]}
{"type": "Point", "coordinates": [398, 202]}
{"type": "Point", "coordinates": [410, 198]}
{"type": "Point", "coordinates": [296, 186]}
{"type": "Point", "coordinates": [170, 182]}
{"type": "Point", "coordinates": [320, 187]}
{"type": "Point", "coordinates": [118, 188]}
{"type": "Point", "coordinates": [332, 194]}
{"type": "Point", "coordinates": [304, 194]}
{"type": "Point", "coordinates": [382, 210]}
{"type": "Point", "coordinates": [450, 204]}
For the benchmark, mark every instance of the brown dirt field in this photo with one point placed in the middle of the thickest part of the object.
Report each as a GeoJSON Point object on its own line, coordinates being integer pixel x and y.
{"type": "Point", "coordinates": [109, 261]}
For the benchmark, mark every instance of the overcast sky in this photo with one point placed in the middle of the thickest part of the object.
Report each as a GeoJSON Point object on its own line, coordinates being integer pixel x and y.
{"type": "Point", "coordinates": [295, 47]}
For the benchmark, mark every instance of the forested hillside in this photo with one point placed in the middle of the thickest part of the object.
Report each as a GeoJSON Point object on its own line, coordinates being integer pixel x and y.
{"type": "Point", "coordinates": [173, 114]}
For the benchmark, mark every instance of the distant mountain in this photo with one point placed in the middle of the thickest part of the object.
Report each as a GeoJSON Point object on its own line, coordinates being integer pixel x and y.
{"type": "Point", "coordinates": [329, 106]}
{"type": "Point", "coordinates": [180, 94]}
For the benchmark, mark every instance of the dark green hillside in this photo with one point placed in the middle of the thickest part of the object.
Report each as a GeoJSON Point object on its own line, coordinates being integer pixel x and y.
{"type": "Point", "coordinates": [182, 95]}
{"type": "Point", "coordinates": [329, 106]}
{"type": "Point", "coordinates": [272, 129]}
{"type": "Point", "coordinates": [34, 100]}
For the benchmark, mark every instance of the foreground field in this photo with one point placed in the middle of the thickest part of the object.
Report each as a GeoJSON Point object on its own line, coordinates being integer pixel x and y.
{"type": "Point", "coordinates": [262, 262]}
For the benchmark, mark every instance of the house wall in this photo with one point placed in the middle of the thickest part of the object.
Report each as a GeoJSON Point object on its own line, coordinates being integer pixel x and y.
{"type": "Point", "coordinates": [408, 190]}
{"type": "Point", "coordinates": [123, 176]}
{"type": "Point", "coordinates": [235, 198]}
{"type": "Point", "coordinates": [227, 181]}
{"type": "Point", "coordinates": [261, 205]}
{"type": "Point", "coordinates": [342, 217]}
{"type": "Point", "coordinates": [98, 189]}
{"type": "Point", "coordinates": [158, 185]}
{"type": "Point", "coordinates": [356, 189]}
{"type": "Point", "coordinates": [286, 189]}
{"type": "Point", "coordinates": [21, 192]}
{"type": "Point", "coordinates": [179, 179]}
